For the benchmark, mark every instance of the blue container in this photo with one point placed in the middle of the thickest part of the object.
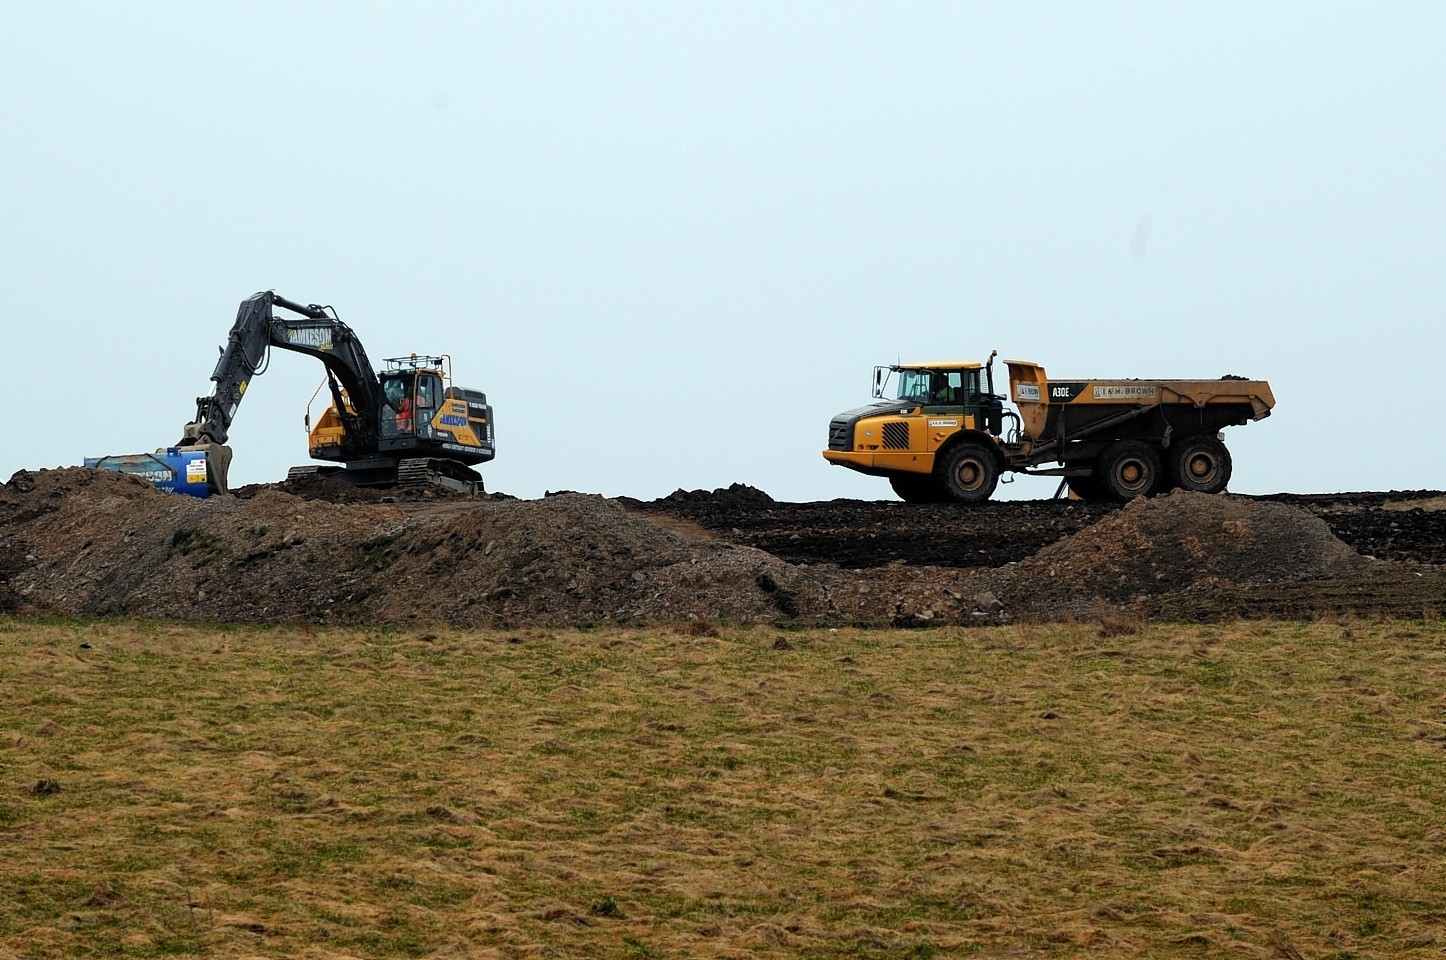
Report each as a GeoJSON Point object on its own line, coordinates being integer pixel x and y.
{"type": "Point", "coordinates": [174, 469]}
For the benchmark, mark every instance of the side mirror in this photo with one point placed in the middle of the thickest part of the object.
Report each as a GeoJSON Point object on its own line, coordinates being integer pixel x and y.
{"type": "Point", "coordinates": [878, 381]}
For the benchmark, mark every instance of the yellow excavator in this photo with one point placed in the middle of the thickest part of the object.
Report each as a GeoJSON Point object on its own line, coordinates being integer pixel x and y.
{"type": "Point", "coordinates": [407, 425]}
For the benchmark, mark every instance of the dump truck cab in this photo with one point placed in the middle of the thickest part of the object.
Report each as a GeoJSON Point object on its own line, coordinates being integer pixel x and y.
{"type": "Point", "coordinates": [923, 411]}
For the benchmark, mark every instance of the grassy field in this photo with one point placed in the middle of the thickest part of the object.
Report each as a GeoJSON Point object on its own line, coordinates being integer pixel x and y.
{"type": "Point", "coordinates": [1255, 790]}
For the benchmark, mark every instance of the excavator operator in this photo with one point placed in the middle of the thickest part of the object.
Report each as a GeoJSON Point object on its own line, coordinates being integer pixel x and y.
{"type": "Point", "coordinates": [399, 415]}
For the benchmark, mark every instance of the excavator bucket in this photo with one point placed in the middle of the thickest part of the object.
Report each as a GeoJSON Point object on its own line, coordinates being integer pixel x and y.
{"type": "Point", "coordinates": [197, 471]}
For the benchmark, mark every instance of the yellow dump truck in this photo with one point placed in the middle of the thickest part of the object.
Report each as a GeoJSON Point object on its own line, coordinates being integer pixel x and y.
{"type": "Point", "coordinates": [942, 436]}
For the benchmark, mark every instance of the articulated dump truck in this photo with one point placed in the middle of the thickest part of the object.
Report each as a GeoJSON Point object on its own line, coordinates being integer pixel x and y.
{"type": "Point", "coordinates": [945, 435]}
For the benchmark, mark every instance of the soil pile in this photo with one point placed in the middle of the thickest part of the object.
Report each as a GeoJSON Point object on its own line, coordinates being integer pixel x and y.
{"type": "Point", "coordinates": [1399, 525]}
{"type": "Point", "coordinates": [92, 543]}
{"type": "Point", "coordinates": [83, 542]}
{"type": "Point", "coordinates": [1183, 541]}
{"type": "Point", "coordinates": [315, 486]}
{"type": "Point", "coordinates": [732, 496]}
{"type": "Point", "coordinates": [575, 558]}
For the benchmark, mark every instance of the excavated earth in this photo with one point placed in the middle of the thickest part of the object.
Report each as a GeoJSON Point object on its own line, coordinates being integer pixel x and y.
{"type": "Point", "coordinates": [91, 543]}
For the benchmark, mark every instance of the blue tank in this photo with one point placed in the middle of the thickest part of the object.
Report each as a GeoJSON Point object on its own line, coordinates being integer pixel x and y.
{"type": "Point", "coordinates": [174, 469]}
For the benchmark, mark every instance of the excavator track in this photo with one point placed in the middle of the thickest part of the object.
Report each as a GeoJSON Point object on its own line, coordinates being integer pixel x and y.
{"type": "Point", "coordinates": [435, 471]}
{"type": "Point", "coordinates": [411, 473]}
{"type": "Point", "coordinates": [308, 472]}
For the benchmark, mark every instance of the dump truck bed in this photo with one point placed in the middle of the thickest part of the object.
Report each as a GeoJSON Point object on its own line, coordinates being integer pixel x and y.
{"type": "Point", "coordinates": [1064, 410]}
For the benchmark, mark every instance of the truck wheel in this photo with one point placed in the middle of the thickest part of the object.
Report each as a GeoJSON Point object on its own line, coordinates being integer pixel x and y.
{"type": "Point", "coordinates": [968, 473]}
{"type": "Point", "coordinates": [1201, 465]}
{"type": "Point", "coordinates": [915, 488]}
{"type": "Point", "coordinates": [1086, 488]}
{"type": "Point", "coordinates": [1129, 469]}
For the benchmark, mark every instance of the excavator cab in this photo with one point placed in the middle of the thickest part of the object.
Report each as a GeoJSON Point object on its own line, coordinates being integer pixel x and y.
{"type": "Point", "coordinates": [413, 389]}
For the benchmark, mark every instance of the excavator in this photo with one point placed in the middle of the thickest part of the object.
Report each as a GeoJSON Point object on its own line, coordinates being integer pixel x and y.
{"type": "Point", "coordinates": [406, 426]}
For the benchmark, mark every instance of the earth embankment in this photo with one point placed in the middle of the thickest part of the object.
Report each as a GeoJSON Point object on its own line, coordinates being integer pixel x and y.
{"type": "Point", "coordinates": [91, 543]}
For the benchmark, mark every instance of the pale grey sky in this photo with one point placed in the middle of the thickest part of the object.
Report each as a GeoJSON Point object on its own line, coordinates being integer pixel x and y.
{"type": "Point", "coordinates": [671, 240]}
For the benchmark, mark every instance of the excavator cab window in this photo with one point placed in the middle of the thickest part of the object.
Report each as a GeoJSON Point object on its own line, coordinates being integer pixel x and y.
{"type": "Point", "coordinates": [397, 411]}
{"type": "Point", "coordinates": [429, 395]}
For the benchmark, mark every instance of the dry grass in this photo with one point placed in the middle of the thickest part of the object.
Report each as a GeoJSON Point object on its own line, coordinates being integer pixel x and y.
{"type": "Point", "coordinates": [1430, 505]}
{"type": "Point", "coordinates": [1262, 790]}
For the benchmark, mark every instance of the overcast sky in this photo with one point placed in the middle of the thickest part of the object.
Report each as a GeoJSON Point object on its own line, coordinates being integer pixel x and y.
{"type": "Point", "coordinates": [671, 240]}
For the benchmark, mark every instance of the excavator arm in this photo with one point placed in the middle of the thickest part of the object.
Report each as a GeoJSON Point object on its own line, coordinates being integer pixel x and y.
{"type": "Point", "coordinates": [316, 333]}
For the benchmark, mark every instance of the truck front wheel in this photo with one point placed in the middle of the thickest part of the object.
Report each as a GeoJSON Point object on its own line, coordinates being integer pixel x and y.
{"type": "Point", "coordinates": [916, 488]}
{"type": "Point", "coordinates": [968, 472]}
{"type": "Point", "coordinates": [1130, 469]}
{"type": "Point", "coordinates": [1201, 465]}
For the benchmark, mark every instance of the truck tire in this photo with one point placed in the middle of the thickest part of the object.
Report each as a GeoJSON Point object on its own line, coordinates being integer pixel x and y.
{"type": "Point", "coordinates": [1086, 488]}
{"type": "Point", "coordinates": [916, 488]}
{"type": "Point", "coordinates": [968, 472]}
{"type": "Point", "coordinates": [1129, 469]}
{"type": "Point", "coordinates": [1200, 465]}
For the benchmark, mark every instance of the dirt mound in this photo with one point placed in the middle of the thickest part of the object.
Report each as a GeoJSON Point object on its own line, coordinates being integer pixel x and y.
{"type": "Point", "coordinates": [317, 487]}
{"type": "Point", "coordinates": [83, 542]}
{"type": "Point", "coordinates": [734, 495]}
{"type": "Point", "coordinates": [31, 494]}
{"type": "Point", "coordinates": [334, 490]}
{"type": "Point", "coordinates": [1396, 525]}
{"type": "Point", "coordinates": [93, 543]}
{"type": "Point", "coordinates": [1184, 541]}
{"type": "Point", "coordinates": [579, 558]}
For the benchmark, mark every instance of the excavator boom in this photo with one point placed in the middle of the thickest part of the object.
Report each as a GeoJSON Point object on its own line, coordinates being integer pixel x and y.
{"type": "Point", "coordinates": [317, 333]}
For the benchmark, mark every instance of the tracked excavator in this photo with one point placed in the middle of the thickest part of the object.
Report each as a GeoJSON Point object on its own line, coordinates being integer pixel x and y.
{"type": "Point", "coordinates": [405, 426]}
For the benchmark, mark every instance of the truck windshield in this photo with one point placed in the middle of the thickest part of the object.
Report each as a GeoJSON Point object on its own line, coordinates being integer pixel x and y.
{"type": "Point", "coordinates": [914, 385]}
{"type": "Point", "coordinates": [936, 387]}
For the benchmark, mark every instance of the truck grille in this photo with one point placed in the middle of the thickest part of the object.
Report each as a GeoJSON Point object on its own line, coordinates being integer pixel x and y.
{"type": "Point", "coordinates": [840, 433]}
{"type": "Point", "coordinates": [896, 436]}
